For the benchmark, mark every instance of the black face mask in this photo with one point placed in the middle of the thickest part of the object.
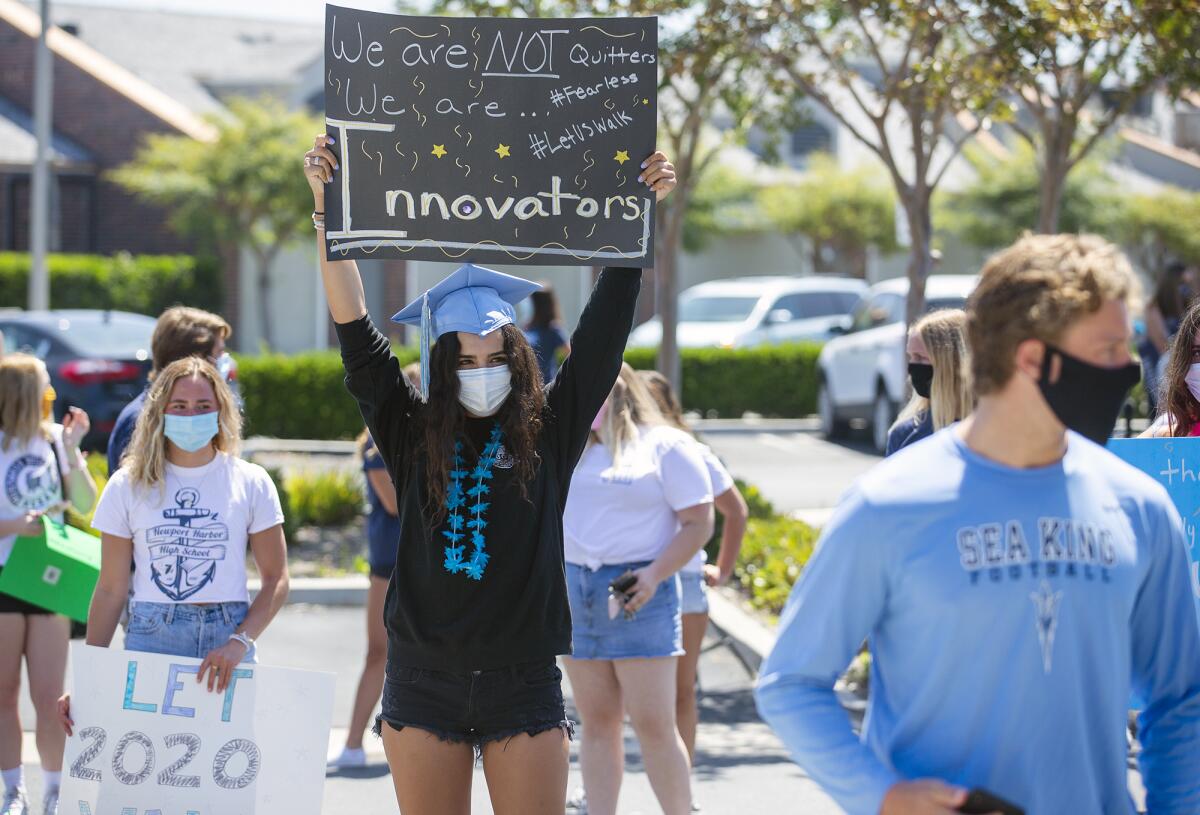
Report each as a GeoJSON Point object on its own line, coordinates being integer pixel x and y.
{"type": "Point", "coordinates": [1087, 398]}
{"type": "Point", "coordinates": [921, 374]}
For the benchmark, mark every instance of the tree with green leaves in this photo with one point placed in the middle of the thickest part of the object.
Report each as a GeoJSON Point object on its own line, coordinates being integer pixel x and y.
{"type": "Point", "coordinates": [1004, 199]}
{"type": "Point", "coordinates": [1162, 226]}
{"type": "Point", "coordinates": [724, 202]}
{"type": "Point", "coordinates": [706, 71]}
{"type": "Point", "coordinates": [903, 78]}
{"type": "Point", "coordinates": [1081, 66]}
{"type": "Point", "coordinates": [240, 190]}
{"type": "Point", "coordinates": [837, 213]}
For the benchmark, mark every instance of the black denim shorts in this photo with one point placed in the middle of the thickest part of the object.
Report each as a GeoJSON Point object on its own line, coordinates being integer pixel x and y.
{"type": "Point", "coordinates": [476, 707]}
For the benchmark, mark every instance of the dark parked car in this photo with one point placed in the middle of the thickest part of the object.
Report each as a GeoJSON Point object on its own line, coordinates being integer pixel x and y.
{"type": "Point", "coordinates": [98, 360]}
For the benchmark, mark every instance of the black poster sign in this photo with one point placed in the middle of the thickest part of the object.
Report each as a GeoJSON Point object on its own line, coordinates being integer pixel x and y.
{"type": "Point", "coordinates": [490, 140]}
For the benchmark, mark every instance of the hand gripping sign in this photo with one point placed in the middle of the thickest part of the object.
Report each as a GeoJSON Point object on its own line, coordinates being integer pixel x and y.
{"type": "Point", "coordinates": [149, 740]}
{"type": "Point", "coordinates": [490, 140]}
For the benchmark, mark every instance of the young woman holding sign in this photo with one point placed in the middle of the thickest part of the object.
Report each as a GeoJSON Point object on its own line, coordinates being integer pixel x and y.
{"type": "Point", "coordinates": [1180, 396]}
{"type": "Point", "coordinates": [477, 608]}
{"type": "Point", "coordinates": [40, 466]}
{"type": "Point", "coordinates": [184, 509]}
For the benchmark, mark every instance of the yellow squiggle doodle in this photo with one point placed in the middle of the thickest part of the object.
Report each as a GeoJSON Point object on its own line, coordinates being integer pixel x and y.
{"type": "Point", "coordinates": [475, 34]}
{"type": "Point", "coordinates": [610, 104]}
{"type": "Point", "coordinates": [476, 62]}
{"type": "Point", "coordinates": [469, 137]}
{"type": "Point", "coordinates": [621, 178]}
{"type": "Point", "coordinates": [566, 236]}
{"type": "Point", "coordinates": [398, 150]}
{"type": "Point", "coordinates": [592, 231]}
{"type": "Point", "coordinates": [415, 34]}
{"type": "Point", "coordinates": [587, 157]}
{"type": "Point", "coordinates": [583, 186]}
{"type": "Point", "coordinates": [339, 87]}
{"type": "Point", "coordinates": [458, 132]}
{"type": "Point", "coordinates": [447, 29]}
{"type": "Point", "coordinates": [480, 89]}
{"type": "Point", "coordinates": [417, 83]}
{"type": "Point", "coordinates": [461, 166]}
{"type": "Point", "coordinates": [515, 182]}
{"type": "Point", "coordinates": [416, 158]}
{"type": "Point", "coordinates": [363, 146]}
{"type": "Point", "coordinates": [496, 178]}
{"type": "Point", "coordinates": [607, 34]}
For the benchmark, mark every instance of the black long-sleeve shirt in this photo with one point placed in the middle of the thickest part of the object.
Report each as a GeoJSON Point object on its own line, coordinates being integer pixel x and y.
{"type": "Point", "coordinates": [518, 611]}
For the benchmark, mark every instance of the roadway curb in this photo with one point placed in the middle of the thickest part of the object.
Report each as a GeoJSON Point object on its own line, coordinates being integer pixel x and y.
{"type": "Point", "coordinates": [324, 591]}
{"type": "Point", "coordinates": [749, 638]}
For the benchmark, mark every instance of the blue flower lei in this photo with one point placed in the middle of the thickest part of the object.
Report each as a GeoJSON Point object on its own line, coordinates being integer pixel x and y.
{"type": "Point", "coordinates": [456, 499]}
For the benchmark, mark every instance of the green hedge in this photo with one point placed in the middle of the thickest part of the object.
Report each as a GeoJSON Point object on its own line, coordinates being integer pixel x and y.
{"type": "Point", "coordinates": [144, 284]}
{"type": "Point", "coordinates": [302, 396]}
{"type": "Point", "coordinates": [326, 498]}
{"type": "Point", "coordinates": [778, 380]}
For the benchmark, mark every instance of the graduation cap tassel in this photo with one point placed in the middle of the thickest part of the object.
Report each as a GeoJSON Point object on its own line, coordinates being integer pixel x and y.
{"type": "Point", "coordinates": [426, 342]}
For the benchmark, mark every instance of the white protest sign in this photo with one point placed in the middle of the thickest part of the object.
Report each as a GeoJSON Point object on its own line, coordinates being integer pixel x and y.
{"type": "Point", "coordinates": [149, 740]}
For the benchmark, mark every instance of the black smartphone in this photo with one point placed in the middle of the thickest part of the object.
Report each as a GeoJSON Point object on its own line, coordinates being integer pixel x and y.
{"type": "Point", "coordinates": [623, 583]}
{"type": "Point", "coordinates": [982, 802]}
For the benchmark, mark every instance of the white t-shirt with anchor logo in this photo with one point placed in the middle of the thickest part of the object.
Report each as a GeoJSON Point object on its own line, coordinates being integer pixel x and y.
{"type": "Point", "coordinates": [190, 535]}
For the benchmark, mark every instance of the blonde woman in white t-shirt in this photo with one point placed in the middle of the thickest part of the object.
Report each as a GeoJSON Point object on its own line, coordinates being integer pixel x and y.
{"type": "Point", "coordinates": [40, 466]}
{"type": "Point", "coordinates": [641, 506]}
{"type": "Point", "coordinates": [182, 511]}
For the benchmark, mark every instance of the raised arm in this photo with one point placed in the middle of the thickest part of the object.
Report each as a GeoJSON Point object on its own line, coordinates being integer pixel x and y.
{"type": "Point", "coordinates": [598, 344]}
{"type": "Point", "coordinates": [373, 376]}
{"type": "Point", "coordinates": [343, 285]}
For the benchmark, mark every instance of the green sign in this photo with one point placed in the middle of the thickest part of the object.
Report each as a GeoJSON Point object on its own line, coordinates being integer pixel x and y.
{"type": "Point", "coordinates": [56, 570]}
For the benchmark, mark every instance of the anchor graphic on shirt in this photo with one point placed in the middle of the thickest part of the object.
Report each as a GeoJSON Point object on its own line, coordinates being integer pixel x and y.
{"type": "Point", "coordinates": [184, 555]}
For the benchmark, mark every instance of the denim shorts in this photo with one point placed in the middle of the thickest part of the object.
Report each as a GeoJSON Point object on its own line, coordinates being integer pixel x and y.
{"type": "Point", "coordinates": [475, 707]}
{"type": "Point", "coordinates": [183, 629]}
{"type": "Point", "coordinates": [655, 631]}
{"type": "Point", "coordinates": [693, 597]}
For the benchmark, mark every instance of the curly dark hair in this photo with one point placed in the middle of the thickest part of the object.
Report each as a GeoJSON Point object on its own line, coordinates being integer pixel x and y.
{"type": "Point", "coordinates": [1180, 407]}
{"type": "Point", "coordinates": [444, 418]}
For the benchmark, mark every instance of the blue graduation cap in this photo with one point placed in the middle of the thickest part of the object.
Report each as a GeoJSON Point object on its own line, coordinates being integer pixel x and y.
{"type": "Point", "coordinates": [472, 299]}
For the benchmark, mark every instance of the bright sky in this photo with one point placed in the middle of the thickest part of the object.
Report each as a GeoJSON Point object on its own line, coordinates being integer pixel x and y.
{"type": "Point", "coordinates": [305, 11]}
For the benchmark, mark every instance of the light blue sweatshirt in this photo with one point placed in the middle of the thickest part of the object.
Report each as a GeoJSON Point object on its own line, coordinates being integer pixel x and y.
{"type": "Point", "coordinates": [1012, 615]}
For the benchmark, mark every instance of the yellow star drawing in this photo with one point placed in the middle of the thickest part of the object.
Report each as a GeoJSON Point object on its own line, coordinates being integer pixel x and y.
{"type": "Point", "coordinates": [645, 101]}
{"type": "Point", "coordinates": [502, 151]}
{"type": "Point", "coordinates": [439, 150]}
{"type": "Point", "coordinates": [621, 157]}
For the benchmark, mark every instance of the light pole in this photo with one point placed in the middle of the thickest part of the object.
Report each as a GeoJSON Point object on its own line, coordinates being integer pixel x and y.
{"type": "Point", "coordinates": [39, 218]}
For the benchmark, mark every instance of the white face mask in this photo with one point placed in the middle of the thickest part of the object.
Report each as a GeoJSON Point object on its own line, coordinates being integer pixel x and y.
{"type": "Point", "coordinates": [483, 390]}
{"type": "Point", "coordinates": [1193, 380]}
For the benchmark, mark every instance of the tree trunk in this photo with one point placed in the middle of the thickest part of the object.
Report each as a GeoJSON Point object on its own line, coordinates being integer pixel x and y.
{"type": "Point", "coordinates": [920, 261]}
{"type": "Point", "coordinates": [1050, 194]}
{"type": "Point", "coordinates": [263, 260]}
{"type": "Point", "coordinates": [666, 290]}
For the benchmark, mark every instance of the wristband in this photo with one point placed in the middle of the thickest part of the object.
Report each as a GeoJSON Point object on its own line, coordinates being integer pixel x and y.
{"type": "Point", "coordinates": [243, 639]}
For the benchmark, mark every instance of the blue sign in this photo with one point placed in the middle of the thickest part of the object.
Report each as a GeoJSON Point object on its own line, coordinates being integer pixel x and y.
{"type": "Point", "coordinates": [1174, 463]}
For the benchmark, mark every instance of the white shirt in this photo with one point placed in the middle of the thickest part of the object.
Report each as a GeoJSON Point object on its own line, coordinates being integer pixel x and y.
{"type": "Point", "coordinates": [722, 482]}
{"type": "Point", "coordinates": [29, 480]}
{"type": "Point", "coordinates": [627, 514]}
{"type": "Point", "coordinates": [190, 539]}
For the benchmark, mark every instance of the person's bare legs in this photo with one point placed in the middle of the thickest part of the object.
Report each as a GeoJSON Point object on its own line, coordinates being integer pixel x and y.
{"type": "Point", "coordinates": [431, 776]}
{"type": "Point", "coordinates": [601, 744]}
{"type": "Point", "coordinates": [370, 684]}
{"type": "Point", "coordinates": [47, 637]}
{"type": "Point", "coordinates": [687, 713]}
{"type": "Point", "coordinates": [648, 688]}
{"type": "Point", "coordinates": [527, 775]}
{"type": "Point", "coordinates": [12, 646]}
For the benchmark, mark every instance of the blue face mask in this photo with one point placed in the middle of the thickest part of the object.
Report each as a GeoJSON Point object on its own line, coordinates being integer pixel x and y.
{"type": "Point", "coordinates": [191, 433]}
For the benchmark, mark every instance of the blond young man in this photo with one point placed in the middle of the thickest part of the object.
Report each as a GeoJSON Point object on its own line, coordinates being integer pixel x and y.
{"type": "Point", "coordinates": [1018, 584]}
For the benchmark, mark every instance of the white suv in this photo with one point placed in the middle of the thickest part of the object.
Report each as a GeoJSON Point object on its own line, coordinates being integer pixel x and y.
{"type": "Point", "coordinates": [747, 311]}
{"type": "Point", "coordinates": [863, 374]}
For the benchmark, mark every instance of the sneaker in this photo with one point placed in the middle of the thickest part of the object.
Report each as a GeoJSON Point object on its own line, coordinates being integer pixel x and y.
{"type": "Point", "coordinates": [349, 759]}
{"type": "Point", "coordinates": [50, 803]}
{"type": "Point", "coordinates": [15, 802]}
{"type": "Point", "coordinates": [577, 803]}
